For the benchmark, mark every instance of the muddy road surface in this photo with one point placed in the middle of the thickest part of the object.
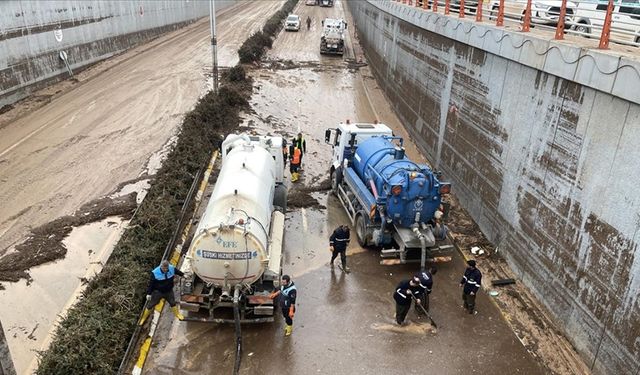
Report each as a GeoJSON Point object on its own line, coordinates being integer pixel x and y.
{"type": "Point", "coordinates": [344, 323]}
{"type": "Point", "coordinates": [89, 140]}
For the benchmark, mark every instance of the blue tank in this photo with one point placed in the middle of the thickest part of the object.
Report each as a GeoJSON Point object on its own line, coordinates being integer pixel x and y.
{"type": "Point", "coordinates": [408, 191]}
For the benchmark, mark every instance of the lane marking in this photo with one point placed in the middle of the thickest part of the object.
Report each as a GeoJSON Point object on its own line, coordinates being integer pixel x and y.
{"type": "Point", "coordinates": [305, 224]}
{"type": "Point", "coordinates": [25, 138]}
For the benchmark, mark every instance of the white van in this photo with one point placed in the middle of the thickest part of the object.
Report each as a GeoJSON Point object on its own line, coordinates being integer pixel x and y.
{"type": "Point", "coordinates": [625, 24]}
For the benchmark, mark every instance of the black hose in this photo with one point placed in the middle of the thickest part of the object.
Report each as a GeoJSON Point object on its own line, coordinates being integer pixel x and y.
{"type": "Point", "coordinates": [236, 316]}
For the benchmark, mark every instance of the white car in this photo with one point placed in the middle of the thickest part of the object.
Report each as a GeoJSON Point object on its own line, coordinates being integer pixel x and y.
{"type": "Point", "coordinates": [544, 12]}
{"type": "Point", "coordinates": [292, 23]}
{"type": "Point", "coordinates": [310, 2]}
{"type": "Point", "coordinates": [625, 23]}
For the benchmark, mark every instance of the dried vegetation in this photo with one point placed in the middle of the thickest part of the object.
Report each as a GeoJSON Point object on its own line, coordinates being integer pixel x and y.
{"type": "Point", "coordinates": [253, 48]}
{"type": "Point", "coordinates": [93, 337]}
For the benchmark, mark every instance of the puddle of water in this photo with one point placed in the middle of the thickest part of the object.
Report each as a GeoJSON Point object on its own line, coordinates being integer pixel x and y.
{"type": "Point", "coordinates": [141, 188]}
{"type": "Point", "coordinates": [28, 319]}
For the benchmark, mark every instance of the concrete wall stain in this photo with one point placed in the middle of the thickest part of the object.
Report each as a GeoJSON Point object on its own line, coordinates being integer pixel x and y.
{"type": "Point", "coordinates": [32, 34]}
{"type": "Point", "coordinates": [536, 167]}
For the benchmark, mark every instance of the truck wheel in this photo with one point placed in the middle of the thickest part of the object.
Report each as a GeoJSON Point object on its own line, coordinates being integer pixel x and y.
{"type": "Point", "coordinates": [361, 231]}
{"type": "Point", "coordinates": [280, 198]}
{"type": "Point", "coordinates": [336, 180]}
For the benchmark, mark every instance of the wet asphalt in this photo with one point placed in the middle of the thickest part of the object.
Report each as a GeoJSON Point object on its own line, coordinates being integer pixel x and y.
{"type": "Point", "coordinates": [344, 323]}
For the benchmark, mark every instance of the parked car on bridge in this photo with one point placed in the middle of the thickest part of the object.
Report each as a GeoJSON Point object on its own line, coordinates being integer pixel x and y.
{"type": "Point", "coordinates": [625, 23]}
{"type": "Point", "coordinates": [543, 12]}
{"type": "Point", "coordinates": [311, 2]}
{"type": "Point", "coordinates": [292, 23]}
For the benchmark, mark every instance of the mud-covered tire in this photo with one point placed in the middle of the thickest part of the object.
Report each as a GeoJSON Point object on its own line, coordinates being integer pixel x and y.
{"type": "Point", "coordinates": [280, 198]}
{"type": "Point", "coordinates": [336, 180]}
{"type": "Point", "coordinates": [361, 230]}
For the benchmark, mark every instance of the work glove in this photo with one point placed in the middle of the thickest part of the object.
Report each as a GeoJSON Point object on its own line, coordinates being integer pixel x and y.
{"type": "Point", "coordinates": [418, 301]}
{"type": "Point", "coordinates": [291, 312]}
{"type": "Point", "coordinates": [409, 291]}
{"type": "Point", "coordinates": [473, 293]}
{"type": "Point", "coordinates": [331, 249]}
{"type": "Point", "coordinates": [148, 297]}
{"type": "Point", "coordinates": [274, 295]}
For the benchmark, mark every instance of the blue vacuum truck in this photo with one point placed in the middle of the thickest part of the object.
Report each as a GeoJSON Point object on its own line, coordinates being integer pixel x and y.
{"type": "Point", "coordinates": [393, 202]}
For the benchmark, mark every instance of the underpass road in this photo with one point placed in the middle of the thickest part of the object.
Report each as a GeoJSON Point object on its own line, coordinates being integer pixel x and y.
{"type": "Point", "coordinates": [90, 139]}
{"type": "Point", "coordinates": [344, 324]}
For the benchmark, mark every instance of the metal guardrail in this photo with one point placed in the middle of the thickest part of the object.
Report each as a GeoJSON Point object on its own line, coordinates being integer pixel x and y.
{"type": "Point", "coordinates": [616, 21]}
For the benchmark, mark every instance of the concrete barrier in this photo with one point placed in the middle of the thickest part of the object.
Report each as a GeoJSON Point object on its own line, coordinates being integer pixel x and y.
{"type": "Point", "coordinates": [33, 33]}
{"type": "Point", "coordinates": [540, 140]}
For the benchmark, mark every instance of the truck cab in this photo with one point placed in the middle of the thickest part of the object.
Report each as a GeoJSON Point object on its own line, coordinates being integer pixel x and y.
{"type": "Point", "coordinates": [345, 138]}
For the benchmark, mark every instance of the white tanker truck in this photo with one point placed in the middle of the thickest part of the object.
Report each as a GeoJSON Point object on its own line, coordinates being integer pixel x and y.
{"type": "Point", "coordinates": [235, 257]}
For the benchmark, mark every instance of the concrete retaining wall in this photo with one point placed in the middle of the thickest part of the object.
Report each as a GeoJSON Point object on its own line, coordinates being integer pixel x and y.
{"type": "Point", "coordinates": [32, 34]}
{"type": "Point", "coordinates": [541, 142]}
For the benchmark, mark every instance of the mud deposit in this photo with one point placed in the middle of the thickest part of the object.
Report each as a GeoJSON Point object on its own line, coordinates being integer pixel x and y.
{"type": "Point", "coordinates": [300, 196]}
{"type": "Point", "coordinates": [45, 242]}
{"type": "Point", "coordinates": [528, 318]}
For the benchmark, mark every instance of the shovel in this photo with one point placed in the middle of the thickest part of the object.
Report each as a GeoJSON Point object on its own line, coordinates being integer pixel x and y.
{"type": "Point", "coordinates": [433, 323]}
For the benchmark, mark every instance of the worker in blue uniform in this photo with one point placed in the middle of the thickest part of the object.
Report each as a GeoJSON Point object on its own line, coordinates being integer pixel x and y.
{"type": "Point", "coordinates": [425, 280]}
{"type": "Point", "coordinates": [338, 245]}
{"type": "Point", "coordinates": [405, 291]}
{"type": "Point", "coordinates": [287, 296]}
{"type": "Point", "coordinates": [470, 283]}
{"type": "Point", "coordinates": [161, 286]}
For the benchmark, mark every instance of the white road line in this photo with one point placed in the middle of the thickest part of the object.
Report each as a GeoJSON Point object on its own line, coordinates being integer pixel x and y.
{"type": "Point", "coordinates": [25, 138]}
{"type": "Point", "coordinates": [305, 225]}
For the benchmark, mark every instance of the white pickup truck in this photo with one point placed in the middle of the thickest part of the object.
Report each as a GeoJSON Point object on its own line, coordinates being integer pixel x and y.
{"type": "Point", "coordinates": [292, 23]}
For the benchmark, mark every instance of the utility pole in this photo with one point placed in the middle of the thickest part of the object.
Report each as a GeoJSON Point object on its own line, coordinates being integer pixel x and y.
{"type": "Point", "coordinates": [214, 44]}
{"type": "Point", "coordinates": [6, 363]}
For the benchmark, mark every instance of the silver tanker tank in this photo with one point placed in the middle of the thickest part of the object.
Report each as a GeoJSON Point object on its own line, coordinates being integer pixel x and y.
{"type": "Point", "coordinates": [238, 240]}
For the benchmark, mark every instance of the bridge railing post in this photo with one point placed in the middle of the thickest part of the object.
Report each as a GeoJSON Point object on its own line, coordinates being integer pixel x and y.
{"type": "Point", "coordinates": [479, 11]}
{"type": "Point", "coordinates": [526, 24]}
{"type": "Point", "coordinates": [500, 18]}
{"type": "Point", "coordinates": [560, 26]}
{"type": "Point", "coordinates": [434, 6]}
{"type": "Point", "coordinates": [446, 7]}
{"type": "Point", "coordinates": [606, 27]}
{"type": "Point", "coordinates": [461, 10]}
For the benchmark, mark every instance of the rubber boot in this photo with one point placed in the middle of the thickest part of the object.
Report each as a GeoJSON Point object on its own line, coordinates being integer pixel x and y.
{"type": "Point", "coordinates": [144, 317]}
{"type": "Point", "coordinates": [287, 330]}
{"type": "Point", "coordinates": [176, 312]}
{"type": "Point", "coordinates": [345, 268]}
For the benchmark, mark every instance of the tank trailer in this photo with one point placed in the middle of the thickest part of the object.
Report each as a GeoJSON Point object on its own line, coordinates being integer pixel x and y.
{"type": "Point", "coordinates": [235, 258]}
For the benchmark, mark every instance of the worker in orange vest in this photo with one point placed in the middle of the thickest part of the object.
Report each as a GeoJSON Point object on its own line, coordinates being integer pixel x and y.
{"type": "Point", "coordinates": [294, 163]}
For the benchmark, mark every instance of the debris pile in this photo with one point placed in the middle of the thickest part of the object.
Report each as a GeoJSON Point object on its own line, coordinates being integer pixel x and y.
{"type": "Point", "coordinates": [253, 48]}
